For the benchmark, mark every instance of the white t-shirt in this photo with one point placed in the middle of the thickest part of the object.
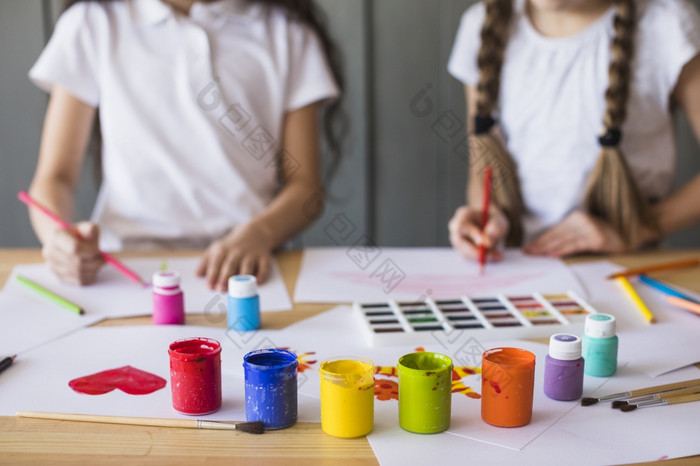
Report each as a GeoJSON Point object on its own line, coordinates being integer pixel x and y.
{"type": "Point", "coordinates": [191, 110]}
{"type": "Point", "coordinates": [552, 101]}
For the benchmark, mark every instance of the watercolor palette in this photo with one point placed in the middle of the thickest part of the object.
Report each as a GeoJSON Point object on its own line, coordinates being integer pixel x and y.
{"type": "Point", "coordinates": [535, 316]}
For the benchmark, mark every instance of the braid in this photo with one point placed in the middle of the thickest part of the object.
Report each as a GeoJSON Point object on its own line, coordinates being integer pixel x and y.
{"type": "Point", "coordinates": [486, 148]}
{"type": "Point", "coordinates": [612, 193]}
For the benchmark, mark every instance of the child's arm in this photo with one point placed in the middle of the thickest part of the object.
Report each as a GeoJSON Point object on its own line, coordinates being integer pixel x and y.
{"type": "Point", "coordinates": [247, 249]}
{"type": "Point", "coordinates": [682, 209]}
{"type": "Point", "coordinates": [64, 139]}
{"type": "Point", "coordinates": [465, 226]}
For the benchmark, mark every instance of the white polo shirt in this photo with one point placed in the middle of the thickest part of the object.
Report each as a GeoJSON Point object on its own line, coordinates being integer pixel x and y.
{"type": "Point", "coordinates": [552, 101]}
{"type": "Point", "coordinates": [191, 110]}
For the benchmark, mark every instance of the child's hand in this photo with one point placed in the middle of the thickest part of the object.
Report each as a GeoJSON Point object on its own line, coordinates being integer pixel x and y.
{"type": "Point", "coordinates": [579, 232]}
{"type": "Point", "coordinates": [74, 260]}
{"type": "Point", "coordinates": [244, 251]}
{"type": "Point", "coordinates": [466, 235]}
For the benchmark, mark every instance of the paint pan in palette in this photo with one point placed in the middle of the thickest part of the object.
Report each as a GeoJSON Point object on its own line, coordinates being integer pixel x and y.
{"type": "Point", "coordinates": [412, 323]}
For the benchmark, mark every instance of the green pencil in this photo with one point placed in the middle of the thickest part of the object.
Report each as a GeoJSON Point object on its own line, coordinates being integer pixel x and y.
{"type": "Point", "coordinates": [50, 295]}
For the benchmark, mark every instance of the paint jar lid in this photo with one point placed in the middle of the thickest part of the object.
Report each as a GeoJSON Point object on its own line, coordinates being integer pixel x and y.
{"type": "Point", "coordinates": [242, 286]}
{"type": "Point", "coordinates": [565, 347]}
{"type": "Point", "coordinates": [166, 279]}
{"type": "Point", "coordinates": [600, 326]}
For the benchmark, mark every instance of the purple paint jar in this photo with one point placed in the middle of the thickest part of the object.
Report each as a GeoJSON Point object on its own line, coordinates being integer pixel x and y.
{"type": "Point", "coordinates": [168, 299]}
{"type": "Point", "coordinates": [563, 369]}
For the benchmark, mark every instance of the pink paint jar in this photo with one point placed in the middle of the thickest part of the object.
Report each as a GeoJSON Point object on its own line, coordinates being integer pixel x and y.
{"type": "Point", "coordinates": [168, 299]}
{"type": "Point", "coordinates": [195, 375]}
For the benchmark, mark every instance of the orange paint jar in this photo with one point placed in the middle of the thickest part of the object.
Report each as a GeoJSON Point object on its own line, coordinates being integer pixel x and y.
{"type": "Point", "coordinates": [507, 385]}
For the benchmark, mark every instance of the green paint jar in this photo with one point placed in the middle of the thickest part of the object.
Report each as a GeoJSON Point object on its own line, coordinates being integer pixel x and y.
{"type": "Point", "coordinates": [600, 345]}
{"type": "Point", "coordinates": [425, 392]}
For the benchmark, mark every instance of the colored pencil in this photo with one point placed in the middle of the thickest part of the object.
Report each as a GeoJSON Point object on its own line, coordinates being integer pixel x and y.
{"type": "Point", "coordinates": [50, 295]}
{"type": "Point", "coordinates": [255, 427]}
{"type": "Point", "coordinates": [643, 392]}
{"type": "Point", "coordinates": [627, 286]}
{"type": "Point", "coordinates": [684, 304]}
{"type": "Point", "coordinates": [113, 261]}
{"type": "Point", "coordinates": [7, 362]}
{"type": "Point", "coordinates": [485, 217]}
{"type": "Point", "coordinates": [657, 267]}
{"type": "Point", "coordinates": [664, 288]}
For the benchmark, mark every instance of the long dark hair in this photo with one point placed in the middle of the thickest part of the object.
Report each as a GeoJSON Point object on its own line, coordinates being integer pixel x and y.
{"type": "Point", "coordinates": [334, 120]}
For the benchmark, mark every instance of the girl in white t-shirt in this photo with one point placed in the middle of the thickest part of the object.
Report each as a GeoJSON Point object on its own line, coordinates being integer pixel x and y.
{"type": "Point", "coordinates": [208, 120]}
{"type": "Point", "coordinates": [565, 80]}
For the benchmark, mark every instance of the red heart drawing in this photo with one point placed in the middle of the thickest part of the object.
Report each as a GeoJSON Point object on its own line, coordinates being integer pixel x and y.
{"type": "Point", "coordinates": [127, 379]}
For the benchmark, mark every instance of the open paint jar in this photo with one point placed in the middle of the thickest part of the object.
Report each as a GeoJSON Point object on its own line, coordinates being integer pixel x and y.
{"type": "Point", "coordinates": [507, 385]}
{"type": "Point", "coordinates": [425, 392]}
{"type": "Point", "coordinates": [195, 375]}
{"type": "Point", "coordinates": [347, 397]}
{"type": "Point", "coordinates": [271, 387]}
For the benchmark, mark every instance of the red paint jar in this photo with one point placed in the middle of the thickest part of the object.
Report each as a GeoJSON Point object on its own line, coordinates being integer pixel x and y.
{"type": "Point", "coordinates": [195, 375]}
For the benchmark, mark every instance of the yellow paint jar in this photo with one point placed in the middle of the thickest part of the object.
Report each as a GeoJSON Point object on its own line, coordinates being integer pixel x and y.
{"type": "Point", "coordinates": [347, 397]}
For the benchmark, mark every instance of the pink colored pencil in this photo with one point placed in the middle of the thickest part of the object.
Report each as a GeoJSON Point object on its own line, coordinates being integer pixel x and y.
{"type": "Point", "coordinates": [127, 272]}
{"type": "Point", "coordinates": [684, 304]}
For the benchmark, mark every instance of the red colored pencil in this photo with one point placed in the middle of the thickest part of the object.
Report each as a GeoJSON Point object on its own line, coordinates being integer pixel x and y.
{"type": "Point", "coordinates": [27, 199]}
{"type": "Point", "coordinates": [485, 217]}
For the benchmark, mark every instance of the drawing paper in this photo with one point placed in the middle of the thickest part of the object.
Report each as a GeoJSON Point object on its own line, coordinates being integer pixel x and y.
{"type": "Point", "coordinates": [116, 296]}
{"type": "Point", "coordinates": [339, 275]}
{"type": "Point", "coordinates": [39, 381]}
{"type": "Point", "coordinates": [27, 321]}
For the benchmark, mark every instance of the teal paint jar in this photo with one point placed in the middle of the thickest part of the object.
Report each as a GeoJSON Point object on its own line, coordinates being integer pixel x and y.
{"type": "Point", "coordinates": [600, 345]}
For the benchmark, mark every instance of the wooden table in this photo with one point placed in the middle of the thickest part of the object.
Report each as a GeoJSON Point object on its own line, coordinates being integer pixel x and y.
{"type": "Point", "coordinates": [29, 441]}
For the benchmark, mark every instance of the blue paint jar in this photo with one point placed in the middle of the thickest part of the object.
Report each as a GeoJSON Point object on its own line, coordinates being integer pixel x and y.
{"type": "Point", "coordinates": [243, 303]}
{"type": "Point", "coordinates": [600, 345]}
{"type": "Point", "coordinates": [271, 387]}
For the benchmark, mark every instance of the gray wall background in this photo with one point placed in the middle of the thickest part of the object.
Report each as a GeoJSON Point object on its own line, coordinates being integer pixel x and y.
{"type": "Point", "coordinates": [403, 172]}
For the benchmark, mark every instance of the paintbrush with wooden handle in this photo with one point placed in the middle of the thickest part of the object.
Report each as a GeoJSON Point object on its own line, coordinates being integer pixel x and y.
{"type": "Point", "coordinates": [249, 427]}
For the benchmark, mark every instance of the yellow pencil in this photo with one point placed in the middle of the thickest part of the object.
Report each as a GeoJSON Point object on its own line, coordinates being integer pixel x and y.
{"type": "Point", "coordinates": [648, 316]}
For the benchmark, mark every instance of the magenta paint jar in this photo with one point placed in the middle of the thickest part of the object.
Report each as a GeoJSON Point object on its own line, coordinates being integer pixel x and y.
{"type": "Point", "coordinates": [168, 299]}
{"type": "Point", "coordinates": [563, 369]}
{"type": "Point", "coordinates": [195, 375]}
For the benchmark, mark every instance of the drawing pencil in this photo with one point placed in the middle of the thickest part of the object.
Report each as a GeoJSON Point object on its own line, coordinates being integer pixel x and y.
{"type": "Point", "coordinates": [657, 267]}
{"type": "Point", "coordinates": [664, 288]}
{"type": "Point", "coordinates": [485, 217]}
{"type": "Point", "coordinates": [7, 362]}
{"type": "Point", "coordinates": [113, 261]}
{"type": "Point", "coordinates": [50, 295]}
{"type": "Point", "coordinates": [684, 304]}
{"type": "Point", "coordinates": [642, 392]}
{"type": "Point", "coordinates": [255, 427]}
{"type": "Point", "coordinates": [627, 286]}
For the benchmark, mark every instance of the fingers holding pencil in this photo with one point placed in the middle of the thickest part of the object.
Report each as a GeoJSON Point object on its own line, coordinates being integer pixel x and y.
{"type": "Point", "coordinates": [466, 234]}
{"type": "Point", "coordinates": [75, 259]}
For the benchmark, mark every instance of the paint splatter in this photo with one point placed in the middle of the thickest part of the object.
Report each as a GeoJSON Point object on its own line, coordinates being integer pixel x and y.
{"type": "Point", "coordinates": [458, 373]}
{"type": "Point", "coordinates": [495, 386]}
{"type": "Point", "coordinates": [385, 389]}
{"type": "Point", "coordinates": [127, 379]}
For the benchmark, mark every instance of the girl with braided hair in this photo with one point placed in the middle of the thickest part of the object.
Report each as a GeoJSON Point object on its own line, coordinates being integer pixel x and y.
{"type": "Point", "coordinates": [570, 102]}
{"type": "Point", "coordinates": [208, 112]}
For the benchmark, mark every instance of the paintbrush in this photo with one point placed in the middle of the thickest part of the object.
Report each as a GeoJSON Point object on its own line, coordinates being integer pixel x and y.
{"type": "Point", "coordinates": [249, 427]}
{"type": "Point", "coordinates": [642, 392]}
{"type": "Point", "coordinates": [662, 402]}
{"type": "Point", "coordinates": [657, 396]}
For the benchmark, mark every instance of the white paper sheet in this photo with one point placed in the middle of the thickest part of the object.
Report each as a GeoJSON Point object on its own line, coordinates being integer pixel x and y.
{"type": "Point", "coordinates": [116, 296]}
{"type": "Point", "coordinates": [585, 436]}
{"type": "Point", "coordinates": [655, 349]}
{"type": "Point", "coordinates": [28, 321]}
{"type": "Point", "coordinates": [336, 333]}
{"type": "Point", "coordinates": [338, 275]}
{"type": "Point", "coordinates": [39, 380]}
